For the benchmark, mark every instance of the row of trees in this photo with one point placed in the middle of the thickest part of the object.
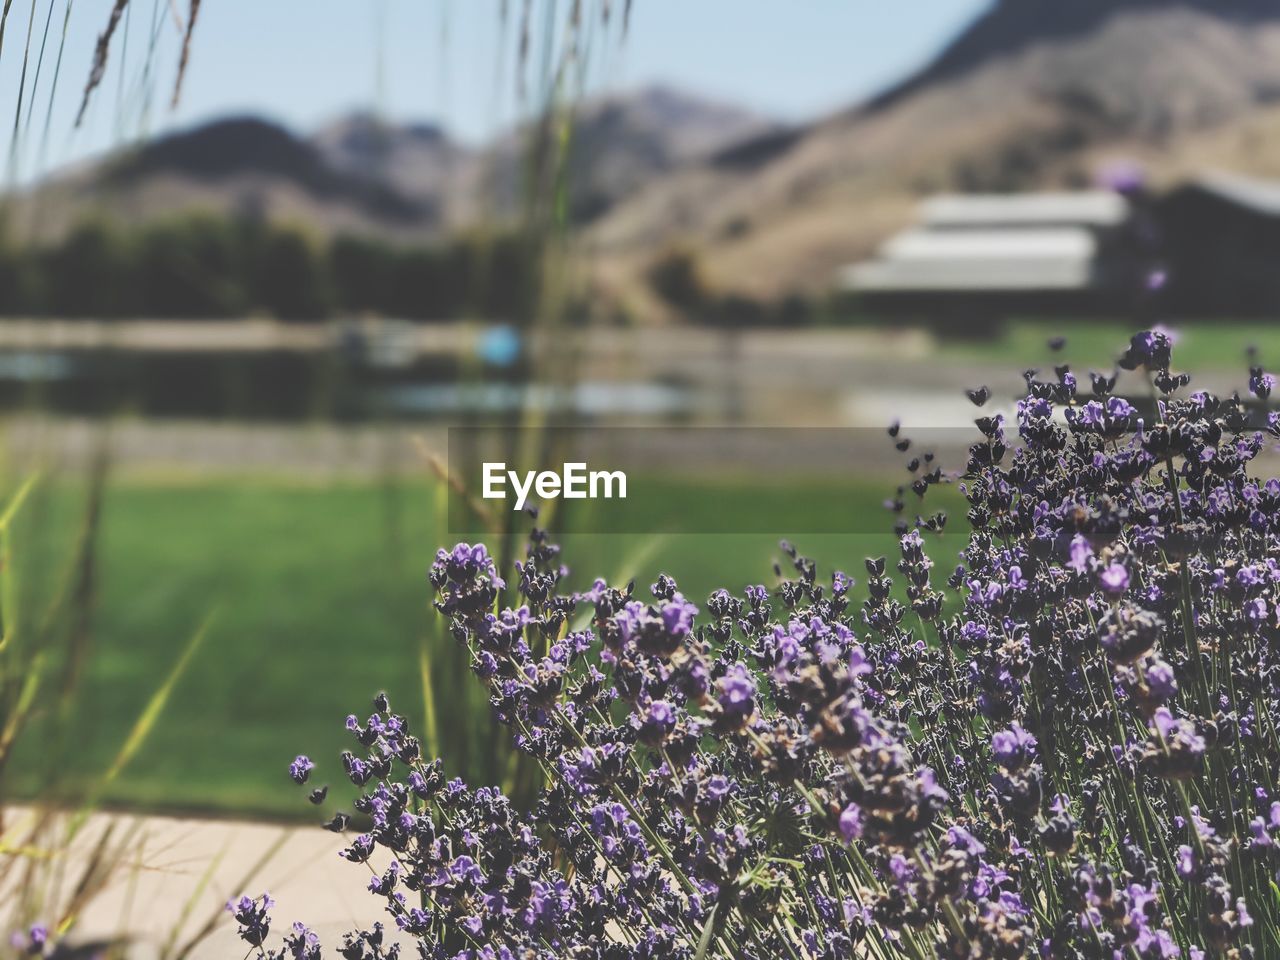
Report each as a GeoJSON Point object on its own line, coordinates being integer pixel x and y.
{"type": "Point", "coordinates": [676, 277]}
{"type": "Point", "coordinates": [202, 266]}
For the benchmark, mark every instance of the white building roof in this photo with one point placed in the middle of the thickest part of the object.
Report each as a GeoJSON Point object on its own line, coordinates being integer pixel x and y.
{"type": "Point", "coordinates": [1260, 195]}
{"type": "Point", "coordinates": [995, 260]}
{"type": "Point", "coordinates": [1090, 208]}
{"type": "Point", "coordinates": [1021, 245]}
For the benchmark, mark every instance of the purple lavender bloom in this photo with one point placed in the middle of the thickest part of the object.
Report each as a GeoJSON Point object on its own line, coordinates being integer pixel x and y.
{"type": "Point", "coordinates": [1114, 580]}
{"type": "Point", "coordinates": [720, 788]}
{"type": "Point", "coordinates": [253, 916]}
{"type": "Point", "coordinates": [901, 871]}
{"type": "Point", "coordinates": [657, 722]}
{"type": "Point", "coordinates": [677, 616]}
{"type": "Point", "coordinates": [1125, 177]}
{"type": "Point", "coordinates": [735, 696]}
{"type": "Point", "coordinates": [300, 769]}
{"type": "Point", "coordinates": [1150, 349]}
{"type": "Point", "coordinates": [1261, 384]}
{"type": "Point", "coordinates": [31, 942]}
{"type": "Point", "coordinates": [962, 839]}
{"type": "Point", "coordinates": [303, 943]}
{"type": "Point", "coordinates": [1013, 748]}
{"type": "Point", "coordinates": [1176, 749]}
{"type": "Point", "coordinates": [851, 823]}
{"type": "Point", "coordinates": [1161, 680]}
{"type": "Point", "coordinates": [1016, 580]}
{"type": "Point", "coordinates": [859, 665]}
{"type": "Point", "coordinates": [1081, 554]}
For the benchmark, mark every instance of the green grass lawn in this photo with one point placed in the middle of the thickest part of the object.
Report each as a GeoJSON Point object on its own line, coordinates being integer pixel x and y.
{"type": "Point", "coordinates": [321, 601]}
{"type": "Point", "coordinates": [1092, 343]}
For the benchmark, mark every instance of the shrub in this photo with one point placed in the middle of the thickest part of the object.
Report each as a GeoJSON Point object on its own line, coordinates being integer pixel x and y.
{"type": "Point", "coordinates": [89, 274]}
{"type": "Point", "coordinates": [203, 266]}
{"type": "Point", "coordinates": [1068, 751]}
{"type": "Point", "coordinates": [291, 282]}
{"type": "Point", "coordinates": [361, 271]}
{"type": "Point", "coordinates": [677, 279]}
{"type": "Point", "coordinates": [191, 267]}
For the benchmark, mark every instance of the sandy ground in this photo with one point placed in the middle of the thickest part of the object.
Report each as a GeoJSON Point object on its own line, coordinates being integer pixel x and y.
{"type": "Point", "coordinates": [183, 871]}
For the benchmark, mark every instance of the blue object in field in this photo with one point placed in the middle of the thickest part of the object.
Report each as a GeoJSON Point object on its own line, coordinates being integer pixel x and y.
{"type": "Point", "coordinates": [499, 346]}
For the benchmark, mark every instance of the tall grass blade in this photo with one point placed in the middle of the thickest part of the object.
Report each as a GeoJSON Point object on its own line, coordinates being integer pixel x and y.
{"type": "Point", "coordinates": [21, 709]}
{"type": "Point", "coordinates": [84, 581]}
{"type": "Point", "coordinates": [121, 71]}
{"type": "Point", "coordinates": [633, 562]}
{"type": "Point", "coordinates": [186, 53]}
{"type": "Point", "coordinates": [430, 731]}
{"type": "Point", "coordinates": [96, 859]}
{"type": "Point", "coordinates": [35, 81]}
{"type": "Point", "coordinates": [22, 87]}
{"type": "Point", "coordinates": [708, 933]}
{"type": "Point", "coordinates": [99, 68]}
{"type": "Point", "coordinates": [8, 574]}
{"type": "Point", "coordinates": [147, 720]}
{"type": "Point", "coordinates": [98, 873]}
{"type": "Point", "coordinates": [4, 18]}
{"type": "Point", "coordinates": [212, 923]}
{"type": "Point", "coordinates": [188, 907]}
{"type": "Point", "coordinates": [53, 87]}
{"type": "Point", "coordinates": [146, 83]}
{"type": "Point", "coordinates": [15, 503]}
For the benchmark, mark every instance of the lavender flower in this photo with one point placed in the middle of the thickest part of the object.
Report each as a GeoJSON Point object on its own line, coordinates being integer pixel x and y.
{"type": "Point", "coordinates": [1114, 580]}
{"type": "Point", "coordinates": [1013, 748]}
{"type": "Point", "coordinates": [300, 769]}
{"type": "Point", "coordinates": [1063, 750]}
{"type": "Point", "coordinates": [253, 916]}
{"type": "Point", "coordinates": [1261, 384]}
{"type": "Point", "coordinates": [32, 942]}
{"type": "Point", "coordinates": [851, 822]}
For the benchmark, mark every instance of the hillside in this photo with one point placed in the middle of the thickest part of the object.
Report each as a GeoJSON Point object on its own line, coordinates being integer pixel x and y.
{"type": "Point", "coordinates": [1035, 93]}
{"type": "Point", "coordinates": [620, 144]}
{"type": "Point", "coordinates": [238, 166]}
{"type": "Point", "coordinates": [401, 182]}
{"type": "Point", "coordinates": [419, 162]}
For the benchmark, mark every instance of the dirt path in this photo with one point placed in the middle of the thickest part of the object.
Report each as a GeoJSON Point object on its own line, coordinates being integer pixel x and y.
{"type": "Point", "coordinates": [183, 871]}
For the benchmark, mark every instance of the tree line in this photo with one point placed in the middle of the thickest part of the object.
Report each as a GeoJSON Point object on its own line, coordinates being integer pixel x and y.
{"type": "Point", "coordinates": [203, 266]}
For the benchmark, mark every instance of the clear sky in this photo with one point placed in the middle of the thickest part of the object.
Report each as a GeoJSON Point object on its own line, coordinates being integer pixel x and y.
{"type": "Point", "coordinates": [306, 61]}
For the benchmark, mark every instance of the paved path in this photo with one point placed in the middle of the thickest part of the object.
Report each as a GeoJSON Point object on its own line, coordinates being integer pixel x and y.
{"type": "Point", "coordinates": [183, 872]}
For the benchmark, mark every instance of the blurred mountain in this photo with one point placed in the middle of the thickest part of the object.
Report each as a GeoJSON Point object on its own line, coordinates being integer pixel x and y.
{"type": "Point", "coordinates": [1127, 87]}
{"type": "Point", "coordinates": [621, 143]}
{"type": "Point", "coordinates": [401, 182]}
{"type": "Point", "coordinates": [417, 161]}
{"type": "Point", "coordinates": [241, 166]}
{"type": "Point", "coordinates": [1034, 93]}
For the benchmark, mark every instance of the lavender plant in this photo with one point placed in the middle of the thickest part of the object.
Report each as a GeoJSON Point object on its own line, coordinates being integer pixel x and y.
{"type": "Point", "coordinates": [1068, 750]}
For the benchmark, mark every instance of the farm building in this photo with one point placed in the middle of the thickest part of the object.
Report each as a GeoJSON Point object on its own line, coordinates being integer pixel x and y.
{"type": "Point", "coordinates": [976, 258]}
{"type": "Point", "coordinates": [993, 254]}
{"type": "Point", "coordinates": [1221, 236]}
